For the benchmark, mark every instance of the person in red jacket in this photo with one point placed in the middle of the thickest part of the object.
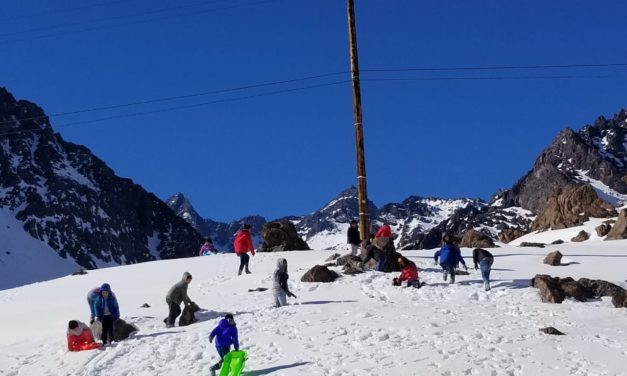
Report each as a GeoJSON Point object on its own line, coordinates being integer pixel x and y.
{"type": "Point", "coordinates": [243, 244]}
{"type": "Point", "coordinates": [79, 337]}
{"type": "Point", "coordinates": [384, 232]}
{"type": "Point", "coordinates": [409, 273]}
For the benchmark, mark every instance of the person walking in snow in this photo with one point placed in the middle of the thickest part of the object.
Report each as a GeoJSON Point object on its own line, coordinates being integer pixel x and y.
{"type": "Point", "coordinates": [107, 312]}
{"type": "Point", "coordinates": [484, 259]}
{"type": "Point", "coordinates": [225, 335]}
{"type": "Point", "coordinates": [353, 238]}
{"type": "Point", "coordinates": [450, 256]}
{"type": "Point", "coordinates": [207, 248]}
{"type": "Point", "coordinates": [174, 297]}
{"type": "Point", "coordinates": [243, 244]}
{"type": "Point", "coordinates": [91, 299]}
{"type": "Point", "coordinates": [409, 273]}
{"type": "Point", "coordinates": [280, 289]}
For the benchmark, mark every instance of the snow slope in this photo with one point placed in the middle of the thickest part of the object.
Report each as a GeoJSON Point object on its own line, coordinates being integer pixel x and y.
{"type": "Point", "coordinates": [359, 325]}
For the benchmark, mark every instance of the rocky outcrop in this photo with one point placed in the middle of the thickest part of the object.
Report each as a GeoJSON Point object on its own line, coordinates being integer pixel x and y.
{"type": "Point", "coordinates": [551, 330]}
{"type": "Point", "coordinates": [581, 236]}
{"type": "Point", "coordinates": [550, 291]}
{"type": "Point", "coordinates": [281, 236]}
{"type": "Point", "coordinates": [603, 229]}
{"type": "Point", "coordinates": [510, 234]}
{"type": "Point", "coordinates": [553, 258]}
{"type": "Point", "coordinates": [555, 289]}
{"type": "Point", "coordinates": [571, 206]}
{"type": "Point", "coordinates": [320, 273]}
{"type": "Point", "coordinates": [619, 229]}
{"type": "Point", "coordinates": [531, 244]}
{"type": "Point", "coordinates": [476, 239]}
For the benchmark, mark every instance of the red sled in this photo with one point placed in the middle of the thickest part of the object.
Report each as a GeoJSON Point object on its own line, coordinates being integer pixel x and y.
{"type": "Point", "coordinates": [86, 346]}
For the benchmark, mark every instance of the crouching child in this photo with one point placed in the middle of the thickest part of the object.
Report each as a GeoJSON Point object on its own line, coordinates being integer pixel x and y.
{"type": "Point", "coordinates": [409, 273]}
{"type": "Point", "coordinates": [226, 335]}
{"type": "Point", "coordinates": [79, 337]}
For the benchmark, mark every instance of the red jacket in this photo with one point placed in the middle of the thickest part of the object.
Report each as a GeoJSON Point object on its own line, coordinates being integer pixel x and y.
{"type": "Point", "coordinates": [83, 341]}
{"type": "Point", "coordinates": [243, 242]}
{"type": "Point", "coordinates": [384, 232]}
{"type": "Point", "coordinates": [409, 273]}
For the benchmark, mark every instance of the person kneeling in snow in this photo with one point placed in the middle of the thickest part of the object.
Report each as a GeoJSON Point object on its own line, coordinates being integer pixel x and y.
{"type": "Point", "coordinates": [79, 337]}
{"type": "Point", "coordinates": [279, 287]}
{"type": "Point", "coordinates": [409, 273]}
{"type": "Point", "coordinates": [226, 335]}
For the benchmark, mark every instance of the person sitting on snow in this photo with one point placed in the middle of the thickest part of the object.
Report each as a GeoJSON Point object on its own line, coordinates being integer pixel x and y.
{"type": "Point", "coordinates": [280, 288]}
{"type": "Point", "coordinates": [226, 335]}
{"type": "Point", "coordinates": [79, 337]}
{"type": "Point", "coordinates": [409, 273]}
{"type": "Point", "coordinates": [450, 256]}
{"type": "Point", "coordinates": [207, 248]}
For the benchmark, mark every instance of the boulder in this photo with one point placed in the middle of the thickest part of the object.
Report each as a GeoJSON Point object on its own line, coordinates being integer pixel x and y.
{"type": "Point", "coordinates": [353, 267]}
{"type": "Point", "coordinates": [343, 260]}
{"type": "Point", "coordinates": [510, 234]}
{"type": "Point", "coordinates": [319, 273]}
{"type": "Point", "coordinates": [553, 258]}
{"type": "Point", "coordinates": [619, 230]}
{"type": "Point", "coordinates": [188, 316]}
{"type": "Point", "coordinates": [620, 300]}
{"type": "Point", "coordinates": [333, 257]}
{"type": "Point", "coordinates": [581, 236]}
{"type": "Point", "coordinates": [145, 305]}
{"type": "Point", "coordinates": [575, 290]}
{"type": "Point", "coordinates": [476, 239]}
{"type": "Point", "coordinates": [550, 290]}
{"type": "Point", "coordinates": [281, 236]}
{"type": "Point", "coordinates": [122, 330]}
{"type": "Point", "coordinates": [603, 229]}
{"type": "Point", "coordinates": [600, 287]}
{"type": "Point", "coordinates": [531, 244]}
{"type": "Point", "coordinates": [551, 330]}
{"type": "Point", "coordinates": [558, 241]}
{"type": "Point", "coordinates": [571, 206]}
{"type": "Point", "coordinates": [80, 272]}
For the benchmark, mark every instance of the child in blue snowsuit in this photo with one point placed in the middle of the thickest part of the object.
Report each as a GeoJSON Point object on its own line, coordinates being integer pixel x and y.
{"type": "Point", "coordinates": [226, 335]}
{"type": "Point", "coordinates": [107, 311]}
{"type": "Point", "coordinates": [450, 256]}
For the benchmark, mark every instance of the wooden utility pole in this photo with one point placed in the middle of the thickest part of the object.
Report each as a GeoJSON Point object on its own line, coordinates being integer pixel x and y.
{"type": "Point", "coordinates": [362, 193]}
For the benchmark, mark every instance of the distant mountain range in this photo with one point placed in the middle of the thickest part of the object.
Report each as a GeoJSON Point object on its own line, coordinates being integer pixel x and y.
{"type": "Point", "coordinates": [72, 203]}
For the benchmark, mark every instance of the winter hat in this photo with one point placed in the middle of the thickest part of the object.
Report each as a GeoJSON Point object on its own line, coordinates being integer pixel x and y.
{"type": "Point", "coordinates": [105, 287]}
{"type": "Point", "coordinates": [228, 316]}
{"type": "Point", "coordinates": [246, 226]}
{"type": "Point", "coordinates": [73, 324]}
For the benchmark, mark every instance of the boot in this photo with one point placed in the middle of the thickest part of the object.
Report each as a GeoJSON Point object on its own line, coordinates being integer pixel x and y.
{"type": "Point", "coordinates": [444, 275]}
{"type": "Point", "coordinates": [240, 272]}
{"type": "Point", "coordinates": [247, 271]}
{"type": "Point", "coordinates": [487, 286]}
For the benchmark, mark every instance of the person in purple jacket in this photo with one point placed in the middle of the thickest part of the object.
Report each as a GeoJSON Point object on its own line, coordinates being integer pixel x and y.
{"type": "Point", "coordinates": [226, 335]}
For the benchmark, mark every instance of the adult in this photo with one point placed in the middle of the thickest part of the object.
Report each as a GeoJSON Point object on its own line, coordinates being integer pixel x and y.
{"type": "Point", "coordinates": [174, 297]}
{"type": "Point", "coordinates": [449, 257]}
{"type": "Point", "coordinates": [243, 244]}
{"type": "Point", "coordinates": [484, 260]}
{"type": "Point", "coordinates": [280, 288]}
{"type": "Point", "coordinates": [353, 238]}
{"type": "Point", "coordinates": [107, 312]}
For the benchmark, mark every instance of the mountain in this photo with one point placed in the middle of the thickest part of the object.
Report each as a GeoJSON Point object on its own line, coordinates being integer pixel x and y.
{"type": "Point", "coordinates": [71, 201]}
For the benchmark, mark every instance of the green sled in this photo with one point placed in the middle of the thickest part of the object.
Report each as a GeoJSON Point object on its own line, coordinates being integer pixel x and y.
{"type": "Point", "coordinates": [233, 363]}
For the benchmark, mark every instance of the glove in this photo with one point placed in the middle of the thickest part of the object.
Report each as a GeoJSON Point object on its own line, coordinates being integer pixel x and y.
{"type": "Point", "coordinates": [291, 294]}
{"type": "Point", "coordinates": [210, 339]}
{"type": "Point", "coordinates": [465, 268]}
{"type": "Point", "coordinates": [91, 321]}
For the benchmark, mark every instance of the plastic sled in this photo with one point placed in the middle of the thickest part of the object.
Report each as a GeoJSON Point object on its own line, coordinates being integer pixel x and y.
{"type": "Point", "coordinates": [87, 346]}
{"type": "Point", "coordinates": [233, 363]}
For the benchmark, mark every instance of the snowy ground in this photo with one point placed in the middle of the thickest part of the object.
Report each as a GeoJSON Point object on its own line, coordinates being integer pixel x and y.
{"type": "Point", "coordinates": [359, 325]}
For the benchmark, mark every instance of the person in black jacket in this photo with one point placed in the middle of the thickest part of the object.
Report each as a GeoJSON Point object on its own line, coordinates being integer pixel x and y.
{"type": "Point", "coordinates": [353, 238]}
{"type": "Point", "coordinates": [484, 259]}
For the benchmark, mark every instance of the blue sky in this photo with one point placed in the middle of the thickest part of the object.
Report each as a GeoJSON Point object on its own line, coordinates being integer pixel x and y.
{"type": "Point", "coordinates": [459, 133]}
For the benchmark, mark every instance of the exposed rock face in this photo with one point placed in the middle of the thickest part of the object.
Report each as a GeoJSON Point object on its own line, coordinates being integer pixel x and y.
{"type": "Point", "coordinates": [531, 244]}
{"type": "Point", "coordinates": [555, 289]}
{"type": "Point", "coordinates": [476, 239]}
{"type": "Point", "coordinates": [603, 229]}
{"type": "Point", "coordinates": [281, 236]}
{"type": "Point", "coordinates": [550, 291]}
{"type": "Point", "coordinates": [581, 236]}
{"type": "Point", "coordinates": [571, 206]}
{"type": "Point", "coordinates": [71, 200]}
{"type": "Point", "coordinates": [619, 230]}
{"type": "Point", "coordinates": [510, 234]}
{"type": "Point", "coordinates": [319, 273]}
{"type": "Point", "coordinates": [551, 330]}
{"type": "Point", "coordinates": [553, 258]}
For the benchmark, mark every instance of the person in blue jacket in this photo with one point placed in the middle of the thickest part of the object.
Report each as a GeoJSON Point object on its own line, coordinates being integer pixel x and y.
{"type": "Point", "coordinates": [450, 256]}
{"type": "Point", "coordinates": [107, 312]}
{"type": "Point", "coordinates": [91, 299]}
{"type": "Point", "coordinates": [226, 335]}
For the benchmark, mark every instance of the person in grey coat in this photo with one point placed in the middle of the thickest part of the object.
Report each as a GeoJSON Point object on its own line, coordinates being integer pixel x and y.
{"type": "Point", "coordinates": [174, 297]}
{"type": "Point", "coordinates": [279, 287]}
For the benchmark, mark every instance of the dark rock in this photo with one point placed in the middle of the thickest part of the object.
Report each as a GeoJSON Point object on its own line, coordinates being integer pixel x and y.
{"type": "Point", "coordinates": [554, 258]}
{"type": "Point", "coordinates": [619, 230]}
{"type": "Point", "coordinates": [330, 264]}
{"type": "Point", "coordinates": [343, 260]}
{"type": "Point", "coordinates": [319, 273]}
{"type": "Point", "coordinates": [551, 330]}
{"type": "Point", "coordinates": [188, 317]}
{"type": "Point", "coordinates": [571, 206]}
{"type": "Point", "coordinates": [510, 234]}
{"type": "Point", "coordinates": [581, 236]}
{"type": "Point", "coordinates": [145, 305]}
{"type": "Point", "coordinates": [531, 244]}
{"type": "Point", "coordinates": [603, 229]}
{"type": "Point", "coordinates": [619, 300]}
{"type": "Point", "coordinates": [600, 287]}
{"type": "Point", "coordinates": [476, 239]}
{"type": "Point", "coordinates": [352, 268]}
{"type": "Point", "coordinates": [122, 330]}
{"type": "Point", "coordinates": [333, 257]}
{"type": "Point", "coordinates": [575, 290]}
{"type": "Point", "coordinates": [550, 290]}
{"type": "Point", "coordinates": [80, 272]}
{"type": "Point", "coordinates": [258, 289]}
{"type": "Point", "coordinates": [558, 241]}
{"type": "Point", "coordinates": [281, 236]}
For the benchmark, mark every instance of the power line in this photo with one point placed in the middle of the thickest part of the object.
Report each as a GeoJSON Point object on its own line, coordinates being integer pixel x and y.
{"type": "Point", "coordinates": [64, 10]}
{"type": "Point", "coordinates": [493, 78]}
{"type": "Point", "coordinates": [496, 67]}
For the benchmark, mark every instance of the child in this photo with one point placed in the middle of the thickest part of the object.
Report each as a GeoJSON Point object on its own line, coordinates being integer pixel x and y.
{"type": "Point", "coordinates": [279, 287]}
{"type": "Point", "coordinates": [409, 273]}
{"type": "Point", "coordinates": [207, 248]}
{"type": "Point", "coordinates": [79, 337]}
{"type": "Point", "coordinates": [450, 256]}
{"type": "Point", "coordinates": [107, 311]}
{"type": "Point", "coordinates": [226, 335]}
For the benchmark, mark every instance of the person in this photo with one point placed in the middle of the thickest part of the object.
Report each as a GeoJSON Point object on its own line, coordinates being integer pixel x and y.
{"type": "Point", "coordinates": [226, 335]}
{"type": "Point", "coordinates": [384, 242]}
{"type": "Point", "coordinates": [207, 248]}
{"type": "Point", "coordinates": [484, 259]}
{"type": "Point", "coordinates": [80, 337]}
{"type": "Point", "coordinates": [409, 273]}
{"type": "Point", "coordinates": [107, 312]}
{"type": "Point", "coordinates": [91, 299]}
{"type": "Point", "coordinates": [353, 238]}
{"type": "Point", "coordinates": [450, 256]}
{"type": "Point", "coordinates": [280, 288]}
{"type": "Point", "coordinates": [384, 232]}
{"type": "Point", "coordinates": [243, 243]}
{"type": "Point", "coordinates": [174, 297]}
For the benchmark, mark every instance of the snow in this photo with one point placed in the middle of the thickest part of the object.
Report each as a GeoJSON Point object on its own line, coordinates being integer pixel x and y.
{"type": "Point", "coordinates": [359, 325]}
{"type": "Point", "coordinates": [604, 192]}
